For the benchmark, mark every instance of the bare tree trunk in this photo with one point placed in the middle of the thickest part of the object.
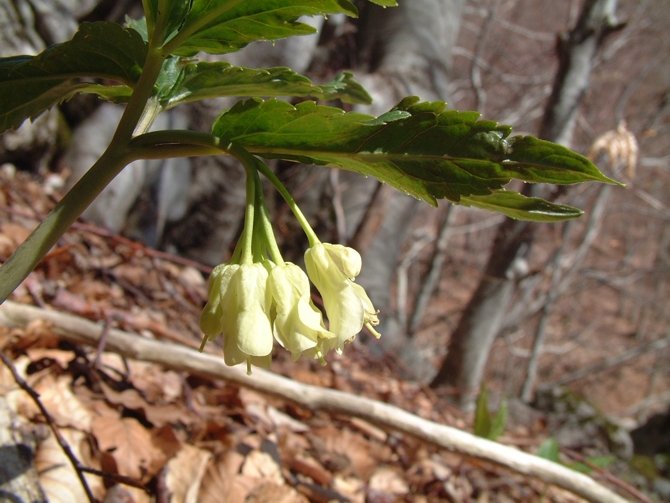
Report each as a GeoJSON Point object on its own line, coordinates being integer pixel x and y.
{"type": "Point", "coordinates": [406, 51]}
{"type": "Point", "coordinates": [481, 321]}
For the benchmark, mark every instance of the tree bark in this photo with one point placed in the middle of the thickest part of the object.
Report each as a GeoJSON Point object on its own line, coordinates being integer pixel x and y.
{"type": "Point", "coordinates": [404, 51]}
{"type": "Point", "coordinates": [471, 341]}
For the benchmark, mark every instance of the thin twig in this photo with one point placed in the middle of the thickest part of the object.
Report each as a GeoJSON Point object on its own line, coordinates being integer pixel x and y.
{"type": "Point", "coordinates": [115, 477]}
{"type": "Point", "coordinates": [61, 441]}
{"type": "Point", "coordinates": [475, 71]}
{"type": "Point", "coordinates": [432, 278]}
{"type": "Point", "coordinates": [607, 475]}
{"type": "Point", "coordinates": [540, 333]}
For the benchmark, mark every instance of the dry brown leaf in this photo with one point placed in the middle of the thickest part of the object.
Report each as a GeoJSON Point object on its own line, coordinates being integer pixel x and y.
{"type": "Point", "coordinates": [388, 480]}
{"type": "Point", "coordinates": [130, 444]}
{"type": "Point", "coordinates": [269, 491]}
{"type": "Point", "coordinates": [92, 289]}
{"type": "Point", "coordinates": [184, 474]}
{"type": "Point", "coordinates": [118, 494]}
{"type": "Point", "coordinates": [137, 275]}
{"type": "Point", "coordinates": [261, 465]}
{"type": "Point", "coordinates": [155, 383]}
{"type": "Point", "coordinates": [284, 421]}
{"type": "Point", "coordinates": [364, 455]}
{"type": "Point", "coordinates": [63, 405]}
{"type": "Point", "coordinates": [63, 358]}
{"type": "Point", "coordinates": [310, 467]}
{"type": "Point", "coordinates": [165, 439]}
{"type": "Point", "coordinates": [16, 232]}
{"type": "Point", "coordinates": [222, 482]}
{"type": "Point", "coordinates": [38, 333]}
{"type": "Point", "coordinates": [128, 398]}
{"type": "Point", "coordinates": [57, 476]}
{"type": "Point", "coordinates": [7, 246]}
{"type": "Point", "coordinates": [160, 415]}
{"type": "Point", "coordinates": [369, 429]}
{"type": "Point", "coordinates": [114, 362]}
{"type": "Point", "coordinates": [352, 488]}
{"type": "Point", "coordinates": [8, 386]}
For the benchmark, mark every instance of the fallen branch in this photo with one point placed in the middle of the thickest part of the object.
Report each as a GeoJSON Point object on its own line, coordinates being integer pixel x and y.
{"type": "Point", "coordinates": [312, 397]}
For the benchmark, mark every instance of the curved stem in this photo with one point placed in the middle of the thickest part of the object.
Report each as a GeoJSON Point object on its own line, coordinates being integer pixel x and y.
{"type": "Point", "coordinates": [267, 173]}
{"type": "Point", "coordinates": [266, 223]}
{"type": "Point", "coordinates": [248, 233]}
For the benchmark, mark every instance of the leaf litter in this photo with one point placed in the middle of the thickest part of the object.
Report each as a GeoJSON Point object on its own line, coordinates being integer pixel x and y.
{"type": "Point", "coordinates": [189, 439]}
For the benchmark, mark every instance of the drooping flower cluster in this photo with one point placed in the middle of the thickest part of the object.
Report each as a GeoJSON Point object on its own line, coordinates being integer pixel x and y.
{"type": "Point", "coordinates": [254, 301]}
{"type": "Point", "coordinates": [254, 304]}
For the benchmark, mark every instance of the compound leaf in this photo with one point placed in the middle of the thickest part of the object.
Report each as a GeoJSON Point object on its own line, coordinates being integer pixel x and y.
{"type": "Point", "coordinates": [182, 83]}
{"type": "Point", "coordinates": [223, 26]}
{"type": "Point", "coordinates": [420, 148]}
{"type": "Point", "coordinates": [29, 85]}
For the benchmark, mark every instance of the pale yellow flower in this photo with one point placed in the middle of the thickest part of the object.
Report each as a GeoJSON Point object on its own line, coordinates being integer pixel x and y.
{"type": "Point", "coordinates": [239, 306]}
{"type": "Point", "coordinates": [298, 324]}
{"type": "Point", "coordinates": [332, 269]}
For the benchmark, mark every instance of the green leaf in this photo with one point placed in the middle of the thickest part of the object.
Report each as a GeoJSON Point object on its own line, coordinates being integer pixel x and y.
{"type": "Point", "coordinates": [518, 206]}
{"type": "Point", "coordinates": [174, 12]}
{"type": "Point", "coordinates": [485, 426]}
{"type": "Point", "coordinates": [599, 461]}
{"type": "Point", "coordinates": [29, 85]}
{"type": "Point", "coordinates": [549, 450]}
{"type": "Point", "coordinates": [207, 80]}
{"type": "Point", "coordinates": [181, 83]}
{"type": "Point", "coordinates": [531, 156]}
{"type": "Point", "coordinates": [345, 88]}
{"type": "Point", "coordinates": [385, 3]}
{"type": "Point", "coordinates": [420, 148]}
{"type": "Point", "coordinates": [482, 427]}
{"type": "Point", "coordinates": [223, 26]}
{"type": "Point", "coordinates": [499, 421]}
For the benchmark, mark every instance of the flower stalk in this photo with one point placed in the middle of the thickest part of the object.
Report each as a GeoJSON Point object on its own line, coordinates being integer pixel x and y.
{"type": "Point", "coordinates": [254, 300]}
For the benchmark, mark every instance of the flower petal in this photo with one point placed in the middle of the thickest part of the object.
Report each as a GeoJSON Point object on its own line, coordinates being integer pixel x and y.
{"type": "Point", "coordinates": [345, 310]}
{"type": "Point", "coordinates": [298, 323]}
{"type": "Point", "coordinates": [347, 259]}
{"type": "Point", "coordinates": [246, 327]}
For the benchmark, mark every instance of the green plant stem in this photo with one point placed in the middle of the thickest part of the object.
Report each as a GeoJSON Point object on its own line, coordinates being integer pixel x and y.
{"type": "Point", "coordinates": [247, 239]}
{"type": "Point", "coordinates": [148, 15]}
{"type": "Point", "coordinates": [178, 137]}
{"type": "Point", "coordinates": [113, 160]}
{"type": "Point", "coordinates": [265, 221]}
{"type": "Point", "coordinates": [252, 165]}
{"type": "Point", "coordinates": [267, 173]}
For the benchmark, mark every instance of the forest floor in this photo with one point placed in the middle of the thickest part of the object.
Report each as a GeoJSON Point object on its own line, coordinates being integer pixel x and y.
{"type": "Point", "coordinates": [186, 438]}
